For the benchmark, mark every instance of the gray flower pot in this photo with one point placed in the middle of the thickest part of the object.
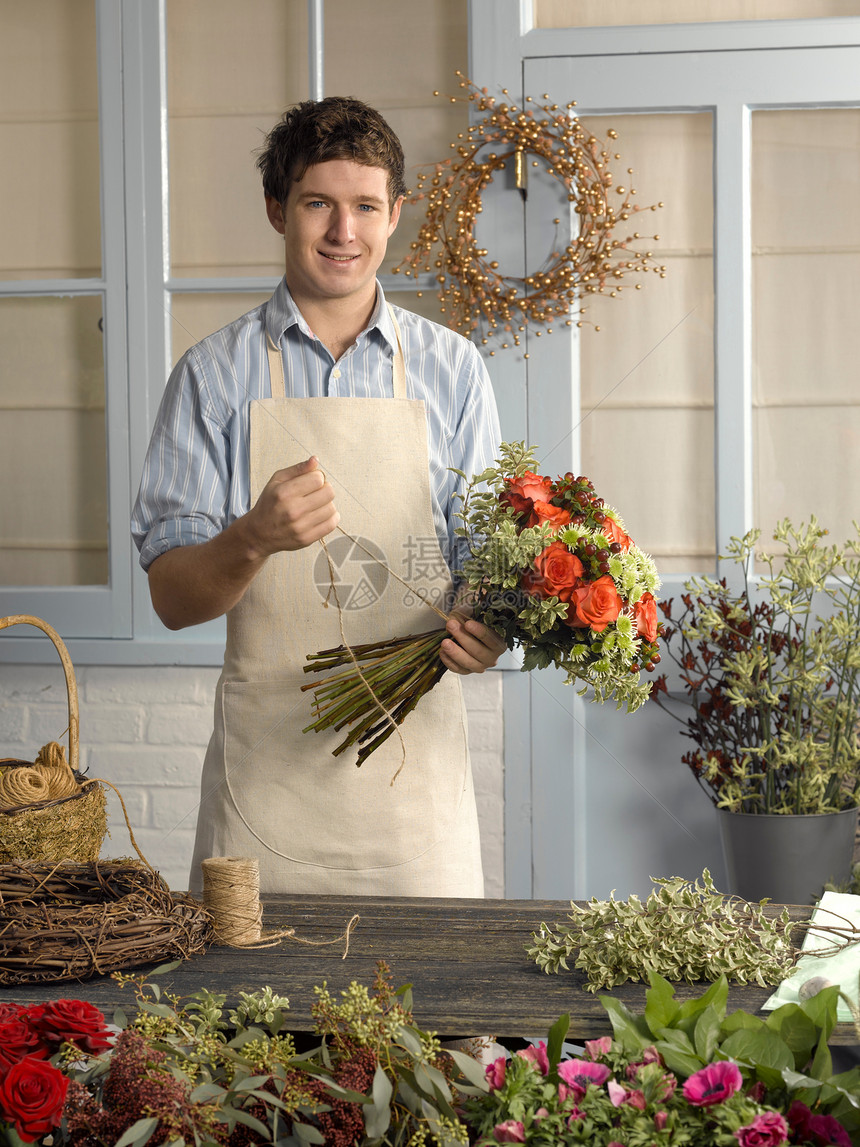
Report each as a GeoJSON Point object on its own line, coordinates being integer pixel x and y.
{"type": "Point", "coordinates": [787, 858]}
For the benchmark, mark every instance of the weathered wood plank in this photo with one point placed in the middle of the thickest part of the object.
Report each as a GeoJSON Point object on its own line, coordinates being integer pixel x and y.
{"type": "Point", "coordinates": [465, 959]}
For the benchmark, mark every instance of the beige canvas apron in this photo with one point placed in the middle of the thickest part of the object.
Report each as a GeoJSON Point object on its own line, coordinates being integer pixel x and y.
{"type": "Point", "coordinates": [316, 822]}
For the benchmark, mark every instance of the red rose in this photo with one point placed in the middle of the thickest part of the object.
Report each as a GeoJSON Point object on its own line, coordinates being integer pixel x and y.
{"type": "Point", "coordinates": [523, 492]}
{"type": "Point", "coordinates": [77, 1022]}
{"type": "Point", "coordinates": [19, 1039]}
{"type": "Point", "coordinates": [556, 573]}
{"type": "Point", "coordinates": [645, 617]}
{"type": "Point", "coordinates": [613, 531]}
{"type": "Point", "coordinates": [32, 1095]}
{"type": "Point", "coordinates": [595, 605]}
{"type": "Point", "coordinates": [547, 512]}
{"type": "Point", "coordinates": [10, 1011]}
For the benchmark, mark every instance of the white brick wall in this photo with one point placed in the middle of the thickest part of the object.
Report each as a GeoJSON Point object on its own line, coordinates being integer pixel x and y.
{"type": "Point", "coordinates": [146, 730]}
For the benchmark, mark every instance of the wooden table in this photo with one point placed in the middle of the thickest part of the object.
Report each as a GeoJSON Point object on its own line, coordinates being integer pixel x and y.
{"type": "Point", "coordinates": [465, 959]}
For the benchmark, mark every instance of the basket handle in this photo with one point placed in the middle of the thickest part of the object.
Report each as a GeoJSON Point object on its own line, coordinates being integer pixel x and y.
{"type": "Point", "coordinates": [71, 687]}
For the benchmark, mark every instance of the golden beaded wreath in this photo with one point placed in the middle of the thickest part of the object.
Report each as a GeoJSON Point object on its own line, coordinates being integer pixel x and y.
{"type": "Point", "coordinates": [473, 292]}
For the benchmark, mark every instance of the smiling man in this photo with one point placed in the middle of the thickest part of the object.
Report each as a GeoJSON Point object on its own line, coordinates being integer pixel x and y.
{"type": "Point", "coordinates": [324, 418]}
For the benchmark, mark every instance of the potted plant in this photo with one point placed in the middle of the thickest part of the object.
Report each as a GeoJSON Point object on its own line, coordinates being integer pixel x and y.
{"type": "Point", "coordinates": [771, 672]}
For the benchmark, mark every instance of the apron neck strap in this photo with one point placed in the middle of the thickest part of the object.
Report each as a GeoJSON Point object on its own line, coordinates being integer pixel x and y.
{"type": "Point", "coordinates": [276, 364]}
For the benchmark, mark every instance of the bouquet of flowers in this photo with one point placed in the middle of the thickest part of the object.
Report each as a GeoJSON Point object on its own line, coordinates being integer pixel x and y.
{"type": "Point", "coordinates": [33, 1041]}
{"type": "Point", "coordinates": [682, 1073]}
{"type": "Point", "coordinates": [551, 569]}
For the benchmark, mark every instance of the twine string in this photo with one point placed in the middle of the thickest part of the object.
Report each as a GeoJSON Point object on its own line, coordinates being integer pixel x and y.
{"type": "Point", "coordinates": [231, 895]}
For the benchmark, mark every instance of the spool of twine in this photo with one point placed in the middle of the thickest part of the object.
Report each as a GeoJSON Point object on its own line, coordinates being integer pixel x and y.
{"type": "Point", "coordinates": [50, 778]}
{"type": "Point", "coordinates": [231, 895]}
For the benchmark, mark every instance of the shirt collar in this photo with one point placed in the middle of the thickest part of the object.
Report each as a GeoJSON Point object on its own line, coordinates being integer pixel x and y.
{"type": "Point", "coordinates": [282, 313]}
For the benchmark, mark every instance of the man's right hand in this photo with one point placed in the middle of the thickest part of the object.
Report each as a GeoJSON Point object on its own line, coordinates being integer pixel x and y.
{"type": "Point", "coordinates": [295, 509]}
{"type": "Point", "coordinates": [193, 584]}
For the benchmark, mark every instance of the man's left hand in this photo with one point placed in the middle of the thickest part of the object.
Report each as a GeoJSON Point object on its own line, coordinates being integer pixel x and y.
{"type": "Point", "coordinates": [470, 647]}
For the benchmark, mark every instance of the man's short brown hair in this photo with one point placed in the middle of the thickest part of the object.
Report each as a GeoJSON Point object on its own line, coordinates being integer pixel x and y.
{"type": "Point", "coordinates": [316, 131]}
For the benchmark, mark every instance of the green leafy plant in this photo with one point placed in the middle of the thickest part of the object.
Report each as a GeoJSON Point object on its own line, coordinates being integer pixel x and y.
{"type": "Point", "coordinates": [681, 1073]}
{"type": "Point", "coordinates": [683, 930]}
{"type": "Point", "coordinates": [772, 676]}
{"type": "Point", "coordinates": [184, 1071]}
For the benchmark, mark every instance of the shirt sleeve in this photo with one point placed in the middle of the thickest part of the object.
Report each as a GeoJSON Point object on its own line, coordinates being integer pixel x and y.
{"type": "Point", "coordinates": [475, 445]}
{"type": "Point", "coordinates": [184, 489]}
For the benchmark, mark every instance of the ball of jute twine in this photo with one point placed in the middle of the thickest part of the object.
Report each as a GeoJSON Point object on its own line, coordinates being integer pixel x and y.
{"type": "Point", "coordinates": [231, 896]}
{"type": "Point", "coordinates": [50, 778]}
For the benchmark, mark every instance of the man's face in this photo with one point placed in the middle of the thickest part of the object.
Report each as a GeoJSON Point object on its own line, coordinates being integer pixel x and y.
{"type": "Point", "coordinates": [336, 223]}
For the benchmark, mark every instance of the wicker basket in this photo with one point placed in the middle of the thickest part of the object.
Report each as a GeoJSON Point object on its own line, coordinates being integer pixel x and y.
{"type": "Point", "coordinates": [71, 827]}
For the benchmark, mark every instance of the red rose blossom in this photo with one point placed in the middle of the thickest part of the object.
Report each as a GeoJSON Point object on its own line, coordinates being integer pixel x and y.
{"type": "Point", "coordinates": [32, 1094]}
{"type": "Point", "coordinates": [595, 605]}
{"type": "Point", "coordinates": [613, 531]}
{"type": "Point", "coordinates": [522, 493]}
{"type": "Point", "coordinates": [645, 617]}
{"type": "Point", "coordinates": [76, 1022]}
{"type": "Point", "coordinates": [556, 573]}
{"type": "Point", "coordinates": [19, 1039]}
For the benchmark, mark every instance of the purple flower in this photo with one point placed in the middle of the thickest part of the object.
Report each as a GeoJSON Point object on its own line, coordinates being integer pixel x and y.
{"type": "Point", "coordinates": [767, 1130]}
{"type": "Point", "coordinates": [495, 1073]}
{"type": "Point", "coordinates": [713, 1084]}
{"type": "Point", "coordinates": [537, 1056]}
{"type": "Point", "coordinates": [595, 1048]}
{"type": "Point", "coordinates": [511, 1131]}
{"type": "Point", "coordinates": [579, 1073]}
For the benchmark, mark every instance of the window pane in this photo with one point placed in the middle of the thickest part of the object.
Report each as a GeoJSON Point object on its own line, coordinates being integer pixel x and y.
{"type": "Point", "coordinates": [647, 378]}
{"type": "Point", "coordinates": [53, 531]}
{"type": "Point", "coordinates": [49, 140]}
{"type": "Point", "coordinates": [806, 339]}
{"type": "Point", "coordinates": [232, 70]}
{"type": "Point", "coordinates": [603, 13]}
{"type": "Point", "coordinates": [194, 316]}
{"type": "Point", "coordinates": [394, 56]}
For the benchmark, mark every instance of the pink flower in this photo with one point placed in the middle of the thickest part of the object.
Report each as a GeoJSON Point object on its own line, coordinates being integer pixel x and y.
{"type": "Point", "coordinates": [595, 1048]}
{"type": "Point", "coordinates": [619, 1094]}
{"type": "Point", "coordinates": [649, 1055]}
{"type": "Point", "coordinates": [540, 1114]}
{"type": "Point", "coordinates": [495, 1073]}
{"type": "Point", "coordinates": [579, 1073]}
{"type": "Point", "coordinates": [537, 1056]}
{"type": "Point", "coordinates": [713, 1084]}
{"type": "Point", "coordinates": [767, 1130]}
{"type": "Point", "coordinates": [511, 1131]}
{"type": "Point", "coordinates": [575, 1116]}
{"type": "Point", "coordinates": [661, 1118]}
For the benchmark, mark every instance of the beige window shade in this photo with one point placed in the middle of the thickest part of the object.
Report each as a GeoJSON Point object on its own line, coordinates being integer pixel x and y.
{"type": "Point", "coordinates": [605, 13]}
{"type": "Point", "coordinates": [53, 526]}
{"type": "Point", "coordinates": [647, 381]}
{"type": "Point", "coordinates": [806, 338]}
{"type": "Point", "coordinates": [49, 141]}
{"type": "Point", "coordinates": [232, 70]}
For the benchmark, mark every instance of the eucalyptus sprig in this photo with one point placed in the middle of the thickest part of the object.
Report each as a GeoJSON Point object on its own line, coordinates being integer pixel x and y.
{"type": "Point", "coordinates": [682, 931]}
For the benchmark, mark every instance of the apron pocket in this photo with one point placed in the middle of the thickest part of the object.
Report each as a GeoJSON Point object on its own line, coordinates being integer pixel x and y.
{"type": "Point", "coordinates": [305, 805]}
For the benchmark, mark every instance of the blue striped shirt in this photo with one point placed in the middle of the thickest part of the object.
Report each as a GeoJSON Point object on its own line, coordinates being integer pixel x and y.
{"type": "Point", "coordinates": [196, 474]}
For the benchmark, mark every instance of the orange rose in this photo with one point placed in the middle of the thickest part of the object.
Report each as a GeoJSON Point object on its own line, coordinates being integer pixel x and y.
{"type": "Point", "coordinates": [615, 534]}
{"type": "Point", "coordinates": [547, 512]}
{"type": "Point", "coordinates": [596, 604]}
{"type": "Point", "coordinates": [645, 617]}
{"type": "Point", "coordinates": [556, 573]}
{"type": "Point", "coordinates": [523, 492]}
